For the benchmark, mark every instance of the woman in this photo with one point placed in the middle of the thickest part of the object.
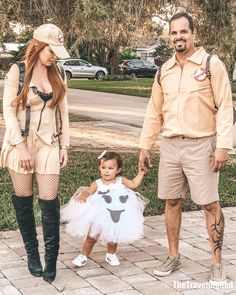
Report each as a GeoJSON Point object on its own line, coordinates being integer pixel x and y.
{"type": "Point", "coordinates": [36, 142]}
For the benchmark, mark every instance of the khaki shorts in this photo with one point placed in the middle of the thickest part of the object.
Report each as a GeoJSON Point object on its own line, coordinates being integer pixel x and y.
{"type": "Point", "coordinates": [188, 161]}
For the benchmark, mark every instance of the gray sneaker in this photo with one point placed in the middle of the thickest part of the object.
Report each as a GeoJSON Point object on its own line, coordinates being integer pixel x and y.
{"type": "Point", "coordinates": [165, 268]}
{"type": "Point", "coordinates": [218, 276]}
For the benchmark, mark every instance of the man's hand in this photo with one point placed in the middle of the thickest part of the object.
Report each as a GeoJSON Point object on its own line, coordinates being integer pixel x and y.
{"type": "Point", "coordinates": [219, 159]}
{"type": "Point", "coordinates": [145, 160]}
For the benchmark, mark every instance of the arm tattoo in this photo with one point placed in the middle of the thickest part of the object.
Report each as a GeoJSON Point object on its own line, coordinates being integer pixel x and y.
{"type": "Point", "coordinates": [218, 233]}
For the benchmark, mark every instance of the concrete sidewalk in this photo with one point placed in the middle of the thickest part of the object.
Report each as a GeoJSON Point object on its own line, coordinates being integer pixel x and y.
{"type": "Point", "coordinates": [135, 274]}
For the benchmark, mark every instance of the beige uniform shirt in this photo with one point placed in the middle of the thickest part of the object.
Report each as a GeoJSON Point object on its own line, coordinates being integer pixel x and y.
{"type": "Point", "coordinates": [187, 103]}
{"type": "Point", "coordinates": [42, 141]}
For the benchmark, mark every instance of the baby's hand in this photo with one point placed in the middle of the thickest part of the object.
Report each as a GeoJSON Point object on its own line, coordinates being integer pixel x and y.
{"type": "Point", "coordinates": [82, 198]}
{"type": "Point", "coordinates": [77, 198]}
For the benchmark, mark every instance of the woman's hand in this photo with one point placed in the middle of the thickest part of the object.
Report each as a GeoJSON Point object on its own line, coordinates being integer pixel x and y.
{"type": "Point", "coordinates": [63, 157]}
{"type": "Point", "coordinates": [82, 197]}
{"type": "Point", "coordinates": [24, 156]}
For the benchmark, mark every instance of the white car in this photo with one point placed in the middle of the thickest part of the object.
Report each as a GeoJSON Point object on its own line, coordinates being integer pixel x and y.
{"type": "Point", "coordinates": [79, 68]}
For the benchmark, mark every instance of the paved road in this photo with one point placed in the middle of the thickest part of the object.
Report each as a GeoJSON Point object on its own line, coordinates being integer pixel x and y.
{"type": "Point", "coordinates": [125, 109]}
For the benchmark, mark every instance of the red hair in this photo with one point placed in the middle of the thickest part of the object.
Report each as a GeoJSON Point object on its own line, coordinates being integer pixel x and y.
{"type": "Point", "coordinates": [31, 57]}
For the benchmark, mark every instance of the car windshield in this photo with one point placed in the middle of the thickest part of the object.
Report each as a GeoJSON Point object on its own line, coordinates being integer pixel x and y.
{"type": "Point", "coordinates": [137, 63]}
{"type": "Point", "coordinates": [148, 64]}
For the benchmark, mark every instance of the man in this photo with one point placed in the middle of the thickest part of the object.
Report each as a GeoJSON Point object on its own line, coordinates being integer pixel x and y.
{"type": "Point", "coordinates": [195, 115]}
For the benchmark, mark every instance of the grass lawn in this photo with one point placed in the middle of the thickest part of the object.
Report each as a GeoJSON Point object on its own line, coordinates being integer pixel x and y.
{"type": "Point", "coordinates": [82, 170]}
{"type": "Point", "coordinates": [138, 87]}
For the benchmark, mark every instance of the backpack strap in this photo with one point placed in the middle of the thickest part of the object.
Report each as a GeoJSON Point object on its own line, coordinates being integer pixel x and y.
{"type": "Point", "coordinates": [234, 115]}
{"type": "Point", "coordinates": [62, 72]}
{"type": "Point", "coordinates": [21, 66]}
{"type": "Point", "coordinates": [208, 72]}
{"type": "Point", "coordinates": [58, 111]}
{"type": "Point", "coordinates": [159, 75]}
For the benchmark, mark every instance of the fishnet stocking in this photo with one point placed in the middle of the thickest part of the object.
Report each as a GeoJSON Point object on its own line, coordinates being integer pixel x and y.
{"type": "Point", "coordinates": [22, 183]}
{"type": "Point", "coordinates": [47, 185]}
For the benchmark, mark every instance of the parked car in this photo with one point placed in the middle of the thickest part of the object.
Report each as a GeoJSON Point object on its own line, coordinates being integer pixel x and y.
{"type": "Point", "coordinates": [138, 68]}
{"type": "Point", "coordinates": [79, 68]}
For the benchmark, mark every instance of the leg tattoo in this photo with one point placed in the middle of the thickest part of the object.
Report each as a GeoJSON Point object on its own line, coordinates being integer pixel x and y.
{"type": "Point", "coordinates": [218, 233]}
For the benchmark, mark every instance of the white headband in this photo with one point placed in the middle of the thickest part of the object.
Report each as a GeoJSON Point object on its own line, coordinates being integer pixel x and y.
{"type": "Point", "coordinates": [102, 154]}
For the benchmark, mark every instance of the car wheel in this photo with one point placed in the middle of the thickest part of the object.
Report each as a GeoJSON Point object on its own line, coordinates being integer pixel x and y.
{"type": "Point", "coordinates": [133, 75]}
{"type": "Point", "coordinates": [68, 75]}
{"type": "Point", "coordinates": [100, 75]}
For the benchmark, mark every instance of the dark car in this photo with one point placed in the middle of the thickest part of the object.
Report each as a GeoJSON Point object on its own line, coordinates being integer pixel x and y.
{"type": "Point", "coordinates": [138, 68]}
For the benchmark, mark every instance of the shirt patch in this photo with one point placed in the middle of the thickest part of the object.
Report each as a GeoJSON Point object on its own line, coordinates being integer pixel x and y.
{"type": "Point", "coordinates": [199, 74]}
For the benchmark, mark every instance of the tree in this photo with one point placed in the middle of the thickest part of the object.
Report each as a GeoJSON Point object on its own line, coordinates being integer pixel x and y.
{"type": "Point", "coordinates": [129, 53]}
{"type": "Point", "coordinates": [23, 38]}
{"type": "Point", "coordinates": [99, 28]}
{"type": "Point", "coordinates": [163, 51]}
{"type": "Point", "coordinates": [218, 18]}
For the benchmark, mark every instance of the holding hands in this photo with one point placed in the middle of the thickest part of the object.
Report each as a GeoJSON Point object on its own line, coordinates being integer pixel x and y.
{"type": "Point", "coordinates": [145, 160]}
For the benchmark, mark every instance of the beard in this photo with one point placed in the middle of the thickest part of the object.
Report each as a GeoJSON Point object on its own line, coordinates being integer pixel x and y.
{"type": "Point", "coordinates": [182, 47]}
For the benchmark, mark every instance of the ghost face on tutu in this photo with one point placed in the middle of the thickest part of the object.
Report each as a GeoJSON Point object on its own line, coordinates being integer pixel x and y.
{"type": "Point", "coordinates": [115, 202]}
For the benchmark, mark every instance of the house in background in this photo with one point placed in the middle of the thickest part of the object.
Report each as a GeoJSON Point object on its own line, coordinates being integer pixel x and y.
{"type": "Point", "coordinates": [146, 47]}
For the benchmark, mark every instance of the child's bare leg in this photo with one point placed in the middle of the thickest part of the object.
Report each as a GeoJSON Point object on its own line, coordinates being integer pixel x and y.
{"type": "Point", "coordinates": [88, 245]}
{"type": "Point", "coordinates": [111, 247]}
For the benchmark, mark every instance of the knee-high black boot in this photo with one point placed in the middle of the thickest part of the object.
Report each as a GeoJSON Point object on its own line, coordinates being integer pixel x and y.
{"type": "Point", "coordinates": [25, 218]}
{"type": "Point", "coordinates": [51, 226]}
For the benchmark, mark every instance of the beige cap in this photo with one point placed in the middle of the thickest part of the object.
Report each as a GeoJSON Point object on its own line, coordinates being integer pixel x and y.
{"type": "Point", "coordinates": [52, 35]}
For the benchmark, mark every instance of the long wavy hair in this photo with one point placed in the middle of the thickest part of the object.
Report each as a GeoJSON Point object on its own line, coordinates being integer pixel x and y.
{"type": "Point", "coordinates": [31, 57]}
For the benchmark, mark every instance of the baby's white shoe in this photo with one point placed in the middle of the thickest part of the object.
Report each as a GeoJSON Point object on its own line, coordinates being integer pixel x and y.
{"type": "Point", "coordinates": [80, 260]}
{"type": "Point", "coordinates": [112, 259]}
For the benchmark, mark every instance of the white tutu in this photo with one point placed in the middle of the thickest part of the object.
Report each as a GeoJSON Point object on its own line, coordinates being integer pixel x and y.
{"type": "Point", "coordinates": [113, 213]}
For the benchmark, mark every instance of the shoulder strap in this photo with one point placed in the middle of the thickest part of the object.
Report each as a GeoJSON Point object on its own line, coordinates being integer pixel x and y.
{"type": "Point", "coordinates": [159, 75]}
{"type": "Point", "coordinates": [234, 115]}
{"type": "Point", "coordinates": [21, 66]}
{"type": "Point", "coordinates": [208, 72]}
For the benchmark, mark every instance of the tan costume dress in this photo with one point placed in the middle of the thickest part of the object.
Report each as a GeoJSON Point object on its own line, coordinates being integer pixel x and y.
{"type": "Point", "coordinates": [42, 141]}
